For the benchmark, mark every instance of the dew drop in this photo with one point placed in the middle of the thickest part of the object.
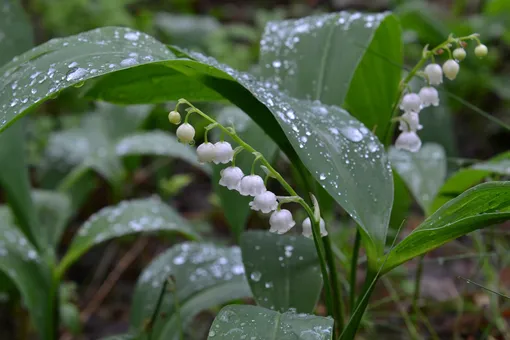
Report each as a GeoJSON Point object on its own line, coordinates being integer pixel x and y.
{"type": "Point", "coordinates": [352, 133]}
{"type": "Point", "coordinates": [255, 276]}
{"type": "Point", "coordinates": [212, 333]}
{"type": "Point", "coordinates": [76, 74]}
{"type": "Point", "coordinates": [178, 260]}
{"type": "Point", "coordinates": [322, 177]}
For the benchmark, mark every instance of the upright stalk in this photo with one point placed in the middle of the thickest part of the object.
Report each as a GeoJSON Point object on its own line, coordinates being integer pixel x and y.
{"type": "Point", "coordinates": [352, 276]}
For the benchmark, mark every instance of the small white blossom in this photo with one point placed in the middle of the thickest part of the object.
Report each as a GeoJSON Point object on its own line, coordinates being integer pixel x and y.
{"type": "Point", "coordinates": [223, 152]}
{"type": "Point", "coordinates": [265, 202]}
{"type": "Point", "coordinates": [252, 185]}
{"type": "Point", "coordinates": [408, 141]}
{"type": "Point", "coordinates": [411, 102]}
{"type": "Point", "coordinates": [451, 69]}
{"type": "Point", "coordinates": [410, 121]}
{"type": "Point", "coordinates": [281, 221]}
{"type": "Point", "coordinates": [307, 228]}
{"type": "Point", "coordinates": [481, 51]}
{"type": "Point", "coordinates": [429, 96]}
{"type": "Point", "coordinates": [459, 53]}
{"type": "Point", "coordinates": [185, 133]}
{"type": "Point", "coordinates": [206, 152]}
{"type": "Point", "coordinates": [434, 73]}
{"type": "Point", "coordinates": [231, 177]}
{"type": "Point", "coordinates": [174, 117]}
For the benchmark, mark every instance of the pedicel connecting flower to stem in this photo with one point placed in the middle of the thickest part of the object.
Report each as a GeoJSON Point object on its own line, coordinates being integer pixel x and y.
{"type": "Point", "coordinates": [411, 103]}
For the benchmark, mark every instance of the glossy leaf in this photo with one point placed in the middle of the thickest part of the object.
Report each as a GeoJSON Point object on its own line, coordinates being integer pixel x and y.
{"type": "Point", "coordinates": [479, 207]}
{"type": "Point", "coordinates": [53, 210]}
{"type": "Point", "coordinates": [157, 143]}
{"type": "Point", "coordinates": [21, 262]}
{"type": "Point", "coordinates": [15, 38]}
{"type": "Point", "coordinates": [338, 151]}
{"type": "Point", "coordinates": [344, 59]}
{"type": "Point", "coordinates": [471, 176]}
{"type": "Point", "coordinates": [128, 217]}
{"type": "Point", "coordinates": [424, 171]}
{"type": "Point", "coordinates": [250, 322]}
{"type": "Point", "coordinates": [236, 207]}
{"type": "Point", "coordinates": [205, 275]}
{"type": "Point", "coordinates": [283, 270]}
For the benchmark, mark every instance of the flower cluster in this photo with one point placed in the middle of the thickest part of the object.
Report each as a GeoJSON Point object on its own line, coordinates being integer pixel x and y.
{"type": "Point", "coordinates": [233, 178]}
{"type": "Point", "coordinates": [413, 103]}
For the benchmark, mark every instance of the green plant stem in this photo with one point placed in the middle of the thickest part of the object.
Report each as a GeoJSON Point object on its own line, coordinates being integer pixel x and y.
{"type": "Point", "coordinates": [52, 329]}
{"type": "Point", "coordinates": [324, 263]}
{"type": "Point", "coordinates": [354, 267]}
{"type": "Point", "coordinates": [156, 310]}
{"type": "Point", "coordinates": [338, 305]}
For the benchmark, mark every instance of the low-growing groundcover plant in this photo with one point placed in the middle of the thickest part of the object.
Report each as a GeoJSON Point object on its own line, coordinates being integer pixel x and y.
{"type": "Point", "coordinates": [327, 94]}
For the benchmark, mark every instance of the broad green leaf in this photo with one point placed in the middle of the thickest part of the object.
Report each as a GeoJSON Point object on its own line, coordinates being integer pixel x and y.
{"type": "Point", "coordinates": [336, 149]}
{"type": "Point", "coordinates": [469, 177]}
{"type": "Point", "coordinates": [20, 261]}
{"type": "Point", "coordinates": [424, 171]}
{"type": "Point", "coordinates": [15, 31]}
{"type": "Point", "coordinates": [15, 38]}
{"type": "Point", "coordinates": [128, 217]}
{"type": "Point", "coordinates": [349, 59]}
{"type": "Point", "coordinates": [236, 207]}
{"type": "Point", "coordinates": [157, 143]}
{"type": "Point", "coordinates": [236, 322]}
{"type": "Point", "coordinates": [186, 30]}
{"type": "Point", "coordinates": [53, 210]}
{"type": "Point", "coordinates": [14, 180]}
{"type": "Point", "coordinates": [401, 203]}
{"type": "Point", "coordinates": [479, 207]}
{"type": "Point", "coordinates": [283, 270]}
{"type": "Point", "coordinates": [205, 275]}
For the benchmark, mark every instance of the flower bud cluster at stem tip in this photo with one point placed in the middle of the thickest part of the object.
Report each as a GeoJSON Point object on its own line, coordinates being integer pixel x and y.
{"type": "Point", "coordinates": [233, 178]}
{"type": "Point", "coordinates": [412, 103]}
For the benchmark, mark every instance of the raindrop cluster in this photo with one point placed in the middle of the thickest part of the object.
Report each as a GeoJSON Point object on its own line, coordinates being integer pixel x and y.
{"type": "Point", "coordinates": [412, 103]}
{"type": "Point", "coordinates": [233, 177]}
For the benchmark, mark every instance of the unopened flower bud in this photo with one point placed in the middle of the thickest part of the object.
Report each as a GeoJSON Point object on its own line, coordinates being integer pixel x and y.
{"type": "Point", "coordinates": [459, 53]}
{"type": "Point", "coordinates": [411, 102]}
{"type": "Point", "coordinates": [450, 69]}
{"type": "Point", "coordinates": [307, 228]}
{"type": "Point", "coordinates": [223, 152]}
{"type": "Point", "coordinates": [429, 96]}
{"type": "Point", "coordinates": [231, 177]}
{"type": "Point", "coordinates": [185, 133]}
{"type": "Point", "coordinates": [174, 117]}
{"type": "Point", "coordinates": [252, 185]}
{"type": "Point", "coordinates": [281, 221]}
{"type": "Point", "coordinates": [481, 51]}
{"type": "Point", "coordinates": [265, 202]}
{"type": "Point", "coordinates": [206, 152]}
{"type": "Point", "coordinates": [408, 141]}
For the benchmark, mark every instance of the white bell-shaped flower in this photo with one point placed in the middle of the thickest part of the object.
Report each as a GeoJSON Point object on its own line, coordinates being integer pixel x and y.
{"type": "Point", "coordinates": [281, 221]}
{"type": "Point", "coordinates": [451, 69]}
{"type": "Point", "coordinates": [185, 133]}
{"type": "Point", "coordinates": [265, 202]}
{"type": "Point", "coordinates": [410, 121]}
{"type": "Point", "coordinates": [434, 73]}
{"type": "Point", "coordinates": [411, 102]}
{"type": "Point", "coordinates": [429, 96]}
{"type": "Point", "coordinates": [252, 185]}
{"type": "Point", "coordinates": [223, 152]}
{"type": "Point", "coordinates": [231, 177]}
{"type": "Point", "coordinates": [206, 152]}
{"type": "Point", "coordinates": [481, 51]}
{"type": "Point", "coordinates": [307, 228]}
{"type": "Point", "coordinates": [408, 140]}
